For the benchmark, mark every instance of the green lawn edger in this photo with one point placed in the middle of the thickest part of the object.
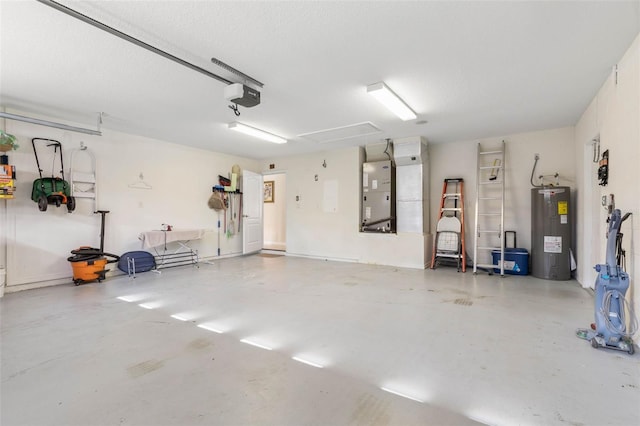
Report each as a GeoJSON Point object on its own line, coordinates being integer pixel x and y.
{"type": "Point", "coordinates": [54, 189]}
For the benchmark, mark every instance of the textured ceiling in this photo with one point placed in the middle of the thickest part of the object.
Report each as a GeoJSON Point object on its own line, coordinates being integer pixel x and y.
{"type": "Point", "coordinates": [470, 69]}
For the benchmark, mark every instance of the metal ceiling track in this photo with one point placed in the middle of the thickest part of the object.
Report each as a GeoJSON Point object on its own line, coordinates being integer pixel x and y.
{"type": "Point", "coordinates": [120, 34]}
{"type": "Point", "coordinates": [232, 70]}
{"type": "Point", "coordinates": [50, 124]}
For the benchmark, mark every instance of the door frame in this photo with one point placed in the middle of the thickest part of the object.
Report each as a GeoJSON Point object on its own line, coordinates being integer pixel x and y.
{"type": "Point", "coordinates": [265, 175]}
{"type": "Point", "coordinates": [250, 222]}
{"type": "Point", "coordinates": [591, 244]}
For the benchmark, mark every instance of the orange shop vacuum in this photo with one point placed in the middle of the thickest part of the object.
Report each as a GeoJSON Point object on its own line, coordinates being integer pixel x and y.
{"type": "Point", "coordinates": [89, 263]}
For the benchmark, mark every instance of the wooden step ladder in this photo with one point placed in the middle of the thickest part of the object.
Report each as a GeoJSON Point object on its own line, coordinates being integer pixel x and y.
{"type": "Point", "coordinates": [489, 220]}
{"type": "Point", "coordinates": [449, 240]}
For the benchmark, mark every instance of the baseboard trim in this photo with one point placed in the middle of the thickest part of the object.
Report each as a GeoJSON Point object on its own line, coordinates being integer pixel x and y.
{"type": "Point", "coordinates": [333, 259]}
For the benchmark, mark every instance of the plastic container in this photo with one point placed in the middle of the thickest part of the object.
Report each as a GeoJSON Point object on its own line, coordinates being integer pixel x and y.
{"type": "Point", "coordinates": [516, 261]}
{"type": "Point", "coordinates": [89, 270]}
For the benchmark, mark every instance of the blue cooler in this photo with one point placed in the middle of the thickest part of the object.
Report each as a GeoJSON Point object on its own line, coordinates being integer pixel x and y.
{"type": "Point", "coordinates": [516, 261]}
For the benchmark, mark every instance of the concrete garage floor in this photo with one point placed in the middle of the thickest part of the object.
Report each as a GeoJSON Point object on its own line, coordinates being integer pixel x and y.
{"type": "Point", "coordinates": [455, 348]}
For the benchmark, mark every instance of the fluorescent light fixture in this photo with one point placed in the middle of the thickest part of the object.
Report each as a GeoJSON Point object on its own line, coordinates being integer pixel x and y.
{"type": "Point", "coordinates": [252, 131]}
{"type": "Point", "coordinates": [127, 298]}
{"type": "Point", "coordinates": [386, 97]}
{"type": "Point", "coordinates": [258, 345]}
{"type": "Point", "coordinates": [305, 361]}
{"type": "Point", "coordinates": [400, 394]}
{"type": "Point", "coordinates": [49, 124]}
{"type": "Point", "coordinates": [210, 328]}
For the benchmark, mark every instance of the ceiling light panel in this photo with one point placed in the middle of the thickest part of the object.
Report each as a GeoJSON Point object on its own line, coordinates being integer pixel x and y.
{"type": "Point", "coordinates": [340, 133]}
{"type": "Point", "coordinates": [389, 99]}
{"type": "Point", "coordinates": [255, 132]}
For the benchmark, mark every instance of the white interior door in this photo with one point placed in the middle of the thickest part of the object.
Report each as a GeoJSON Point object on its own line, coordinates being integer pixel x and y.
{"type": "Point", "coordinates": [252, 205]}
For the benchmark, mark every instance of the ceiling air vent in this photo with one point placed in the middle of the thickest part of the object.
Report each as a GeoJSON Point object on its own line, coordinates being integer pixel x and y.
{"type": "Point", "coordinates": [340, 133]}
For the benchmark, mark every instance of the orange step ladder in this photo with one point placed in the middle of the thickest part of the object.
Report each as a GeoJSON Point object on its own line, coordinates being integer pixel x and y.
{"type": "Point", "coordinates": [449, 240]}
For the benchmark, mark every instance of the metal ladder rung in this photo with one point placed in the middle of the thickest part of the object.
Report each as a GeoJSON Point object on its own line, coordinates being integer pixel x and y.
{"type": "Point", "coordinates": [452, 256]}
{"type": "Point", "coordinates": [455, 209]}
{"type": "Point", "coordinates": [453, 194]}
{"type": "Point", "coordinates": [488, 265]}
{"type": "Point", "coordinates": [85, 195]}
{"type": "Point", "coordinates": [492, 212]}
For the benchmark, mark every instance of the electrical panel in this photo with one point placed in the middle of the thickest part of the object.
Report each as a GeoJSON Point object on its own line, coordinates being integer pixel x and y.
{"type": "Point", "coordinates": [378, 197]}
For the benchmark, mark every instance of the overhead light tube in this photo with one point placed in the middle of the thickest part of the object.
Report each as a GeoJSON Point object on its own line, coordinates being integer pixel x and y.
{"type": "Point", "coordinates": [17, 117]}
{"type": "Point", "coordinates": [252, 131]}
{"type": "Point", "coordinates": [389, 99]}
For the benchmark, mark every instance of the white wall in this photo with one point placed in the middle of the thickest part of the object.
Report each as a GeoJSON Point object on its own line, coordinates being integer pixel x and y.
{"type": "Point", "coordinates": [311, 231]}
{"type": "Point", "coordinates": [614, 114]}
{"type": "Point", "coordinates": [275, 214]}
{"type": "Point", "coordinates": [325, 224]}
{"type": "Point", "coordinates": [38, 243]}
{"type": "Point", "coordinates": [556, 149]}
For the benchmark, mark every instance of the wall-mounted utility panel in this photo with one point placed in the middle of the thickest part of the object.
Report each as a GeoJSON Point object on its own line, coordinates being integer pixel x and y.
{"type": "Point", "coordinates": [378, 197]}
{"type": "Point", "coordinates": [412, 178]}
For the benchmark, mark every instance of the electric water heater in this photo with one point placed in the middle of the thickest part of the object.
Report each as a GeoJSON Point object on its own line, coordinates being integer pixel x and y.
{"type": "Point", "coordinates": [551, 233]}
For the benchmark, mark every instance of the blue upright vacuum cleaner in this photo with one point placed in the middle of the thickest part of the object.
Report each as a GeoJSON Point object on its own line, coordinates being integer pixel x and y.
{"type": "Point", "coordinates": [610, 329]}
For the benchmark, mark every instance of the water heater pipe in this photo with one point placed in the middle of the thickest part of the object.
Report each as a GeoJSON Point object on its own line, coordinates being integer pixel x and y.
{"type": "Point", "coordinates": [537, 157]}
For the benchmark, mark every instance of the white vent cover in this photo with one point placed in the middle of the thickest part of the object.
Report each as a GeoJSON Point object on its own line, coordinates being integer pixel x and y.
{"type": "Point", "coordinates": [412, 150]}
{"type": "Point", "coordinates": [340, 133]}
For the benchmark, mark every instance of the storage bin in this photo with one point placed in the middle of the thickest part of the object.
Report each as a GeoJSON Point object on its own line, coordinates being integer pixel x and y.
{"type": "Point", "coordinates": [516, 261]}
